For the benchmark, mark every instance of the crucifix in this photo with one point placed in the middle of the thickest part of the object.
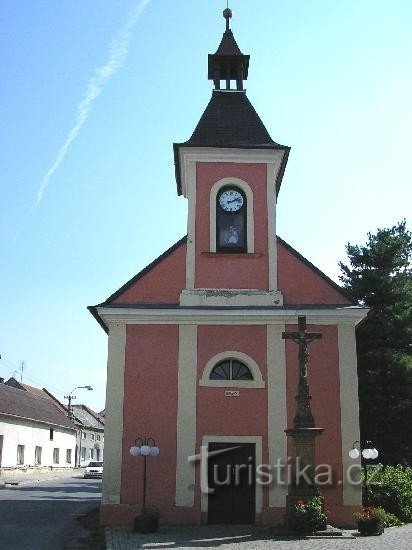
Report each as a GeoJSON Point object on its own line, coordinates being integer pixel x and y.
{"type": "Point", "coordinates": [304, 417]}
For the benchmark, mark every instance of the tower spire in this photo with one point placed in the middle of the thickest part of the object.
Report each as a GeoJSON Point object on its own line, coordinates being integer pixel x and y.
{"type": "Point", "coordinates": [228, 62]}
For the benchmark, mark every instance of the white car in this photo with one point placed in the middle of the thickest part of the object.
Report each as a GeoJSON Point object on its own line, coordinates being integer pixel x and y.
{"type": "Point", "coordinates": [94, 469]}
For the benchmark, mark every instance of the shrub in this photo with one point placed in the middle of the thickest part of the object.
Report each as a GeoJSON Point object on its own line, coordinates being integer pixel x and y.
{"type": "Point", "coordinates": [308, 517]}
{"type": "Point", "coordinates": [377, 514]}
{"type": "Point", "coordinates": [390, 488]}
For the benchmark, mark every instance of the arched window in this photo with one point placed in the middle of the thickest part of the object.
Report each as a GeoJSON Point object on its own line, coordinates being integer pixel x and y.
{"type": "Point", "coordinates": [231, 220]}
{"type": "Point", "coordinates": [231, 369]}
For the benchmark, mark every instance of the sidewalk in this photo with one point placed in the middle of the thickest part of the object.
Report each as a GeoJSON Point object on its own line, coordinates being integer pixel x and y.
{"type": "Point", "coordinates": [251, 538]}
{"type": "Point", "coordinates": [12, 478]}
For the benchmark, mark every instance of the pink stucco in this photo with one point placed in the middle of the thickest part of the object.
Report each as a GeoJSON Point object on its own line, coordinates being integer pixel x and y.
{"type": "Point", "coordinates": [162, 284]}
{"type": "Point", "coordinates": [231, 270]}
{"type": "Point", "coordinates": [150, 409]}
{"type": "Point", "coordinates": [300, 284]}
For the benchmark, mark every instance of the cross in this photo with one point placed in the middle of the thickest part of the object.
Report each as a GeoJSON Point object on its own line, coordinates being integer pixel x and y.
{"type": "Point", "coordinates": [302, 338]}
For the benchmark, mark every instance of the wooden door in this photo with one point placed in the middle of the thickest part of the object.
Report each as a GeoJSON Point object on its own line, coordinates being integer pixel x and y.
{"type": "Point", "coordinates": [231, 474]}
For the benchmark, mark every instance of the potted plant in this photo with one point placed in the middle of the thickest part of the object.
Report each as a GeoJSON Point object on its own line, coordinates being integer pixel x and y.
{"type": "Point", "coordinates": [309, 517]}
{"type": "Point", "coordinates": [370, 521]}
{"type": "Point", "coordinates": [147, 521]}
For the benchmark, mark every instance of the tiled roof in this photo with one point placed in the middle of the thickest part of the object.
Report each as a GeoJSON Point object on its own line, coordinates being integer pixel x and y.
{"type": "Point", "coordinates": [230, 120]}
{"type": "Point", "coordinates": [228, 45]}
{"type": "Point", "coordinates": [87, 417]}
{"type": "Point", "coordinates": [23, 404]}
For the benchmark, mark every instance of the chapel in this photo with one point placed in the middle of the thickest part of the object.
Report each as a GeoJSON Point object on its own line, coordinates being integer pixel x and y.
{"type": "Point", "coordinates": [198, 371]}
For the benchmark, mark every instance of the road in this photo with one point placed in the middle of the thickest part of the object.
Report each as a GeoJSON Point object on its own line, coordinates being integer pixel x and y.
{"type": "Point", "coordinates": [41, 515]}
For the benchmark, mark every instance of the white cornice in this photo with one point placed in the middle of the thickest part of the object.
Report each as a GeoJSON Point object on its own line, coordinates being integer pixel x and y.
{"type": "Point", "coordinates": [197, 316]}
{"type": "Point", "coordinates": [189, 155]}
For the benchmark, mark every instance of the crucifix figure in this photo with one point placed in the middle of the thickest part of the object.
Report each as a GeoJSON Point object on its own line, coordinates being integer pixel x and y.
{"type": "Point", "coordinates": [303, 418]}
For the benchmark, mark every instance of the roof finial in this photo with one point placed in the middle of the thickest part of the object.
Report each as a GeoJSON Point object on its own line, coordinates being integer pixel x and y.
{"type": "Point", "coordinates": [227, 14]}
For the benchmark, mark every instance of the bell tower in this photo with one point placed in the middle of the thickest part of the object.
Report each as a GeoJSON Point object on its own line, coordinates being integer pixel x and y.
{"type": "Point", "coordinates": [230, 170]}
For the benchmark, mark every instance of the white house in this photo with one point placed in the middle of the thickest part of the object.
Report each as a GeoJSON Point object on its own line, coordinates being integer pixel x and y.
{"type": "Point", "coordinates": [34, 433]}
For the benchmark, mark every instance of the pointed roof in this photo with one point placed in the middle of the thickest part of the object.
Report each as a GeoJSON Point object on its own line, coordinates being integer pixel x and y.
{"type": "Point", "coordinates": [228, 45]}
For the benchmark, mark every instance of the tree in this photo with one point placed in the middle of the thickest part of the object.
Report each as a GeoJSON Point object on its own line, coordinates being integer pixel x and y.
{"type": "Point", "coordinates": [379, 276]}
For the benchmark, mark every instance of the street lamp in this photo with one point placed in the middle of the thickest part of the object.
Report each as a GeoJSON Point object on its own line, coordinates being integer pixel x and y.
{"type": "Point", "coordinates": [368, 453]}
{"type": "Point", "coordinates": [70, 397]}
{"type": "Point", "coordinates": [144, 446]}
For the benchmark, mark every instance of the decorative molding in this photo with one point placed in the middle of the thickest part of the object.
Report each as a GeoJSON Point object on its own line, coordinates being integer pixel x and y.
{"type": "Point", "coordinates": [272, 241]}
{"type": "Point", "coordinates": [348, 378]}
{"type": "Point", "coordinates": [230, 297]}
{"type": "Point", "coordinates": [113, 430]}
{"type": "Point", "coordinates": [250, 231]}
{"type": "Point", "coordinates": [186, 416]}
{"type": "Point", "coordinates": [222, 316]}
{"type": "Point", "coordinates": [257, 381]}
{"type": "Point", "coordinates": [277, 418]}
{"type": "Point", "coordinates": [257, 440]}
{"type": "Point", "coordinates": [191, 227]}
{"type": "Point", "coordinates": [215, 154]}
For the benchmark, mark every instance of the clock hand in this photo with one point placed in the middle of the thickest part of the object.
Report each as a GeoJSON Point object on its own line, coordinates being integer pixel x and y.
{"type": "Point", "coordinates": [238, 199]}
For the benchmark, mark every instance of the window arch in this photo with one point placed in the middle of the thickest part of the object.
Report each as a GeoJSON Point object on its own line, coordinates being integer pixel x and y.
{"type": "Point", "coordinates": [220, 218]}
{"type": "Point", "coordinates": [232, 369]}
{"type": "Point", "coordinates": [231, 220]}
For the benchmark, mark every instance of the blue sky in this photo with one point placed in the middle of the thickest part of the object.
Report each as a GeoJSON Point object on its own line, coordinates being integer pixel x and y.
{"type": "Point", "coordinates": [330, 79]}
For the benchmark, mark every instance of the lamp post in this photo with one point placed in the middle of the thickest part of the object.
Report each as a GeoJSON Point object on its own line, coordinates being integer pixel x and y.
{"type": "Point", "coordinates": [368, 452]}
{"type": "Point", "coordinates": [144, 446]}
{"type": "Point", "coordinates": [71, 396]}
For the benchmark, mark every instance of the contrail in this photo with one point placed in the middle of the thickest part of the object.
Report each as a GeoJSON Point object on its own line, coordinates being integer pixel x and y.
{"type": "Point", "coordinates": [118, 50]}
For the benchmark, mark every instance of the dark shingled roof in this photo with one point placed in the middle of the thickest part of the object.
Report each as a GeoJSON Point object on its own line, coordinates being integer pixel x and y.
{"type": "Point", "coordinates": [230, 120]}
{"type": "Point", "coordinates": [23, 404]}
{"type": "Point", "coordinates": [228, 45]}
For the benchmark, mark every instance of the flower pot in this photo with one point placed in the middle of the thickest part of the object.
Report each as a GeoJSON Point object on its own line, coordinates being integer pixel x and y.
{"type": "Point", "coordinates": [146, 524]}
{"type": "Point", "coordinates": [371, 526]}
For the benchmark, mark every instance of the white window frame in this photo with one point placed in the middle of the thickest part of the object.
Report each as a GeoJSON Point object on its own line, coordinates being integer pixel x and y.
{"type": "Point", "coordinates": [257, 381]}
{"type": "Point", "coordinates": [250, 232]}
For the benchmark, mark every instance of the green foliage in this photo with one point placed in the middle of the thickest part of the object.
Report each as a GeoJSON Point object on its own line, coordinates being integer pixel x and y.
{"type": "Point", "coordinates": [308, 517]}
{"type": "Point", "coordinates": [377, 514]}
{"type": "Point", "coordinates": [379, 276]}
{"type": "Point", "coordinates": [391, 488]}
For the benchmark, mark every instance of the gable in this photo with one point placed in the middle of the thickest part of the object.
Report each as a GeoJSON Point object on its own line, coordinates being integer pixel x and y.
{"type": "Point", "coordinates": [161, 282]}
{"type": "Point", "coordinates": [302, 283]}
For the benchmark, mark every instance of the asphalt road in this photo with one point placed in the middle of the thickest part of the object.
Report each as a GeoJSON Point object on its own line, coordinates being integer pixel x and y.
{"type": "Point", "coordinates": [42, 515]}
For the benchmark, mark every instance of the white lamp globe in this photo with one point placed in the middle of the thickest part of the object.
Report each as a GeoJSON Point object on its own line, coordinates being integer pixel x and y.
{"type": "Point", "coordinates": [135, 451]}
{"type": "Point", "coordinates": [154, 451]}
{"type": "Point", "coordinates": [374, 454]}
{"type": "Point", "coordinates": [367, 453]}
{"type": "Point", "coordinates": [145, 450]}
{"type": "Point", "coordinates": [354, 453]}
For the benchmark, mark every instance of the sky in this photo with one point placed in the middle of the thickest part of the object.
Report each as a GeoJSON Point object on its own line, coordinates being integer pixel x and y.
{"type": "Point", "coordinates": [94, 93]}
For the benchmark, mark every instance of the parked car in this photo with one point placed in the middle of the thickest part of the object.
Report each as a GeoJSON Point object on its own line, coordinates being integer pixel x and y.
{"type": "Point", "coordinates": [94, 469]}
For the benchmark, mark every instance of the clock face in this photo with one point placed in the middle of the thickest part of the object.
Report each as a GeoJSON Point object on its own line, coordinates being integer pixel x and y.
{"type": "Point", "coordinates": [231, 200]}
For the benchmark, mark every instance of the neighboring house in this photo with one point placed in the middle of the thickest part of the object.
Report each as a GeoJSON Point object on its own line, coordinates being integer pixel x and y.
{"type": "Point", "coordinates": [196, 358]}
{"type": "Point", "coordinates": [33, 431]}
{"type": "Point", "coordinates": [90, 434]}
{"type": "Point", "coordinates": [89, 424]}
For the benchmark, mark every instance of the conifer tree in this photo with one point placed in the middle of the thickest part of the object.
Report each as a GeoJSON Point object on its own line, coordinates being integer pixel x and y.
{"type": "Point", "coordinates": [379, 276]}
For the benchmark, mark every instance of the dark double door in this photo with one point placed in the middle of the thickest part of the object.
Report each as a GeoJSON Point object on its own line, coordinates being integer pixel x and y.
{"type": "Point", "coordinates": [231, 474]}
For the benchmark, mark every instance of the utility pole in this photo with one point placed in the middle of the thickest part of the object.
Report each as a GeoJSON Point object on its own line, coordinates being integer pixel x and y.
{"type": "Point", "coordinates": [21, 370]}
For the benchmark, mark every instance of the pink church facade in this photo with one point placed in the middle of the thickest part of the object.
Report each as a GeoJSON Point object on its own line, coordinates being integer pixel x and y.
{"type": "Point", "coordinates": [196, 358]}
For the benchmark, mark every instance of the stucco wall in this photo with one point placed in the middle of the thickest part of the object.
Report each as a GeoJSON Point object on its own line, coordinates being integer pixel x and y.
{"type": "Point", "coordinates": [31, 434]}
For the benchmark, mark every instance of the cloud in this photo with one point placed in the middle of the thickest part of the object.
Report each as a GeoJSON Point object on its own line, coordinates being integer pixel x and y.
{"type": "Point", "coordinates": [118, 50]}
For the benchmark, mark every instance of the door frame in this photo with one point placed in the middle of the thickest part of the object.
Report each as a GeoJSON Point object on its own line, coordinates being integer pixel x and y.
{"type": "Point", "coordinates": [257, 440]}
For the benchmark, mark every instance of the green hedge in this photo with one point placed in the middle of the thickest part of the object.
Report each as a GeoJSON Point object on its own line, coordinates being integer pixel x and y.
{"type": "Point", "coordinates": [390, 487]}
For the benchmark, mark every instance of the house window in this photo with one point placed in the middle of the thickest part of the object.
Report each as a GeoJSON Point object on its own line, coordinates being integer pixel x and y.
{"type": "Point", "coordinates": [83, 453]}
{"type": "Point", "coordinates": [97, 454]}
{"type": "Point", "coordinates": [98, 437]}
{"type": "Point", "coordinates": [231, 220]}
{"type": "Point", "coordinates": [68, 456]}
{"type": "Point", "coordinates": [231, 369]}
{"type": "Point", "coordinates": [91, 453]}
{"type": "Point", "coordinates": [20, 454]}
{"type": "Point", "coordinates": [84, 435]}
{"type": "Point", "coordinates": [37, 455]}
{"type": "Point", "coordinates": [91, 437]}
{"type": "Point", "coordinates": [55, 456]}
{"type": "Point", "coordinates": [51, 434]}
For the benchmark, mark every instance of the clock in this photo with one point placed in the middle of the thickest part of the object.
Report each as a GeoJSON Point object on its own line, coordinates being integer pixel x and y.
{"type": "Point", "coordinates": [231, 200]}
